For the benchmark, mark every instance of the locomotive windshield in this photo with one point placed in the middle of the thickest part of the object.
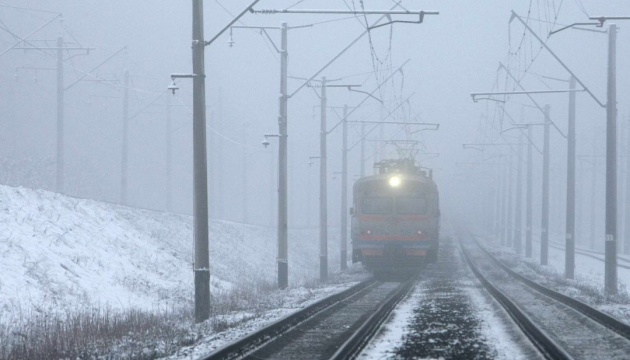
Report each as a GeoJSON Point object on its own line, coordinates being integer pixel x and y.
{"type": "Point", "coordinates": [377, 205]}
{"type": "Point", "coordinates": [411, 205]}
{"type": "Point", "coordinates": [403, 205]}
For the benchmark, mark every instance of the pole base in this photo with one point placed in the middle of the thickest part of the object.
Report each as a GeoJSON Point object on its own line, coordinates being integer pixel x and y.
{"type": "Point", "coordinates": [283, 274]}
{"type": "Point", "coordinates": [344, 260]}
{"type": "Point", "coordinates": [323, 268]}
{"type": "Point", "coordinates": [202, 295]}
{"type": "Point", "coordinates": [610, 266]}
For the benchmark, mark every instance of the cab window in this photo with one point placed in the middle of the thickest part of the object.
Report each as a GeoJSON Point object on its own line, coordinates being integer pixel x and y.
{"type": "Point", "coordinates": [376, 205]}
{"type": "Point", "coordinates": [411, 205]}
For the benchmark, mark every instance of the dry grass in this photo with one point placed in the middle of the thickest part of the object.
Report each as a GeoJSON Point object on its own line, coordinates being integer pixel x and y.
{"type": "Point", "coordinates": [129, 334]}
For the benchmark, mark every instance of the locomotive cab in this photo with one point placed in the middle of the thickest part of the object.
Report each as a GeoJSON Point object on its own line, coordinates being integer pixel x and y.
{"type": "Point", "coordinates": [395, 218]}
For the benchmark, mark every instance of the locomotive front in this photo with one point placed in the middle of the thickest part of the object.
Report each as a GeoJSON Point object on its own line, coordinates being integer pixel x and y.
{"type": "Point", "coordinates": [395, 218]}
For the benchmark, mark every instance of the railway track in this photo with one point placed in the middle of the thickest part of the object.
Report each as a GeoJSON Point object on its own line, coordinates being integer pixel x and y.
{"type": "Point", "coordinates": [337, 327]}
{"type": "Point", "coordinates": [559, 326]}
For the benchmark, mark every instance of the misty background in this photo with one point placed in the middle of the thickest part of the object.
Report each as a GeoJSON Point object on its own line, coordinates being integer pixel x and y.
{"type": "Point", "coordinates": [451, 55]}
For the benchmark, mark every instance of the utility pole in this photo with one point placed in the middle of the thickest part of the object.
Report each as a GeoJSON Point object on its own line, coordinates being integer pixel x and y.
{"type": "Point", "coordinates": [202, 256]}
{"type": "Point", "coordinates": [283, 263]}
{"type": "Point", "coordinates": [530, 186]}
{"type": "Point", "coordinates": [498, 202]}
{"type": "Point", "coordinates": [344, 191]}
{"type": "Point", "coordinates": [244, 176]}
{"type": "Point", "coordinates": [362, 149]}
{"type": "Point", "coordinates": [593, 202]}
{"type": "Point", "coordinates": [125, 141]}
{"type": "Point", "coordinates": [506, 194]}
{"type": "Point", "coordinates": [169, 157]}
{"type": "Point", "coordinates": [218, 121]}
{"type": "Point", "coordinates": [610, 283]}
{"type": "Point", "coordinates": [60, 157]}
{"type": "Point", "coordinates": [544, 223]}
{"type": "Point", "coordinates": [518, 240]}
{"type": "Point", "coordinates": [626, 247]}
{"type": "Point", "coordinates": [381, 134]}
{"type": "Point", "coordinates": [510, 199]}
{"type": "Point", "coordinates": [323, 191]}
{"type": "Point", "coordinates": [569, 263]}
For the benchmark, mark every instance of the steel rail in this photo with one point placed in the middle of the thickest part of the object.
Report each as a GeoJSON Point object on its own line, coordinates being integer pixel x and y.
{"type": "Point", "coordinates": [543, 342]}
{"type": "Point", "coordinates": [583, 308]}
{"type": "Point", "coordinates": [257, 339]}
{"type": "Point", "coordinates": [360, 338]}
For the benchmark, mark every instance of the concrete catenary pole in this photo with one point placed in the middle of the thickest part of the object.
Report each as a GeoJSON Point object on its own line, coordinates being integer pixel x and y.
{"type": "Point", "coordinates": [323, 190]}
{"type": "Point", "coordinates": [283, 262]}
{"type": "Point", "coordinates": [498, 201]}
{"type": "Point", "coordinates": [530, 190]}
{"type": "Point", "coordinates": [626, 248]}
{"type": "Point", "coordinates": [200, 201]}
{"type": "Point", "coordinates": [244, 171]}
{"type": "Point", "coordinates": [593, 197]}
{"type": "Point", "coordinates": [504, 192]}
{"type": "Point", "coordinates": [59, 186]}
{"type": "Point", "coordinates": [510, 202]}
{"type": "Point", "coordinates": [218, 204]}
{"type": "Point", "coordinates": [610, 276]}
{"type": "Point", "coordinates": [544, 223]}
{"type": "Point", "coordinates": [362, 149]}
{"type": "Point", "coordinates": [569, 263]}
{"type": "Point", "coordinates": [169, 156]}
{"type": "Point", "coordinates": [344, 191]}
{"type": "Point", "coordinates": [125, 142]}
{"type": "Point", "coordinates": [518, 237]}
{"type": "Point", "coordinates": [381, 135]}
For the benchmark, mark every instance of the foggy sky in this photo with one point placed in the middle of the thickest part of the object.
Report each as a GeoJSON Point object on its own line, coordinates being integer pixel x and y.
{"type": "Point", "coordinates": [451, 55]}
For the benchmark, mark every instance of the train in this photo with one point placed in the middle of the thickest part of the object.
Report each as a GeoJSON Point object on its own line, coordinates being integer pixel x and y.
{"type": "Point", "coordinates": [395, 218]}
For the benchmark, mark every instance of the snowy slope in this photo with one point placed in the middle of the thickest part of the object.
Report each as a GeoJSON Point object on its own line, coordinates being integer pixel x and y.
{"type": "Point", "coordinates": [60, 253]}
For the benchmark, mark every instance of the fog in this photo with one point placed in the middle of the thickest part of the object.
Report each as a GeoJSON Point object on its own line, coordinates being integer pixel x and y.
{"type": "Point", "coordinates": [451, 55]}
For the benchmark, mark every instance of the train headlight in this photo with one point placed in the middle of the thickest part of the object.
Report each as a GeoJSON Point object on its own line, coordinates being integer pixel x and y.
{"type": "Point", "coordinates": [394, 181]}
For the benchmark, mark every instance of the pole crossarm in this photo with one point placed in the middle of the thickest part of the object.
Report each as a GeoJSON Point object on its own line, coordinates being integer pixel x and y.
{"type": "Point", "coordinates": [518, 83]}
{"type": "Point", "coordinates": [341, 52]}
{"type": "Point", "coordinates": [23, 39]}
{"type": "Point", "coordinates": [387, 13]}
{"type": "Point", "coordinates": [263, 30]}
{"type": "Point", "coordinates": [381, 122]}
{"type": "Point", "coordinates": [368, 96]}
{"type": "Point", "coordinates": [249, 8]}
{"type": "Point", "coordinates": [481, 147]}
{"type": "Point", "coordinates": [96, 67]}
{"type": "Point", "coordinates": [602, 19]}
{"type": "Point", "coordinates": [575, 24]}
{"type": "Point", "coordinates": [474, 95]}
{"type": "Point", "coordinates": [345, 12]}
{"type": "Point", "coordinates": [544, 44]}
{"type": "Point", "coordinates": [473, 145]}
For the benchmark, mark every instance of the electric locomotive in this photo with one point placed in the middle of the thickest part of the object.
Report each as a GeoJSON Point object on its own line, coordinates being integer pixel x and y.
{"type": "Point", "coordinates": [395, 218]}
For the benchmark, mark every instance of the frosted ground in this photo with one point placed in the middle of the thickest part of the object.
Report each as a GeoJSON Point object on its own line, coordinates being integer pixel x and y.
{"type": "Point", "coordinates": [63, 254]}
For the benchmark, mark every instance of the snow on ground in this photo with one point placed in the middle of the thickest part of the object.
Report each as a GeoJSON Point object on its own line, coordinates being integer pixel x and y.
{"type": "Point", "coordinates": [493, 327]}
{"type": "Point", "coordinates": [63, 253]}
{"type": "Point", "coordinates": [294, 302]}
{"type": "Point", "coordinates": [588, 284]}
{"type": "Point", "coordinates": [586, 268]}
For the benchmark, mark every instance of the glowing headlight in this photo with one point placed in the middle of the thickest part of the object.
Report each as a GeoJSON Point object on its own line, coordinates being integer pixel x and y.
{"type": "Point", "coordinates": [394, 181]}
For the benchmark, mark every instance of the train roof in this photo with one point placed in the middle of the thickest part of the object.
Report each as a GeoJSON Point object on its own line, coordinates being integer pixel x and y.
{"type": "Point", "coordinates": [404, 167]}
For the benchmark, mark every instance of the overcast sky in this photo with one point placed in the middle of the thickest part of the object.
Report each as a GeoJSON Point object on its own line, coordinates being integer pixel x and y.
{"type": "Point", "coordinates": [450, 55]}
